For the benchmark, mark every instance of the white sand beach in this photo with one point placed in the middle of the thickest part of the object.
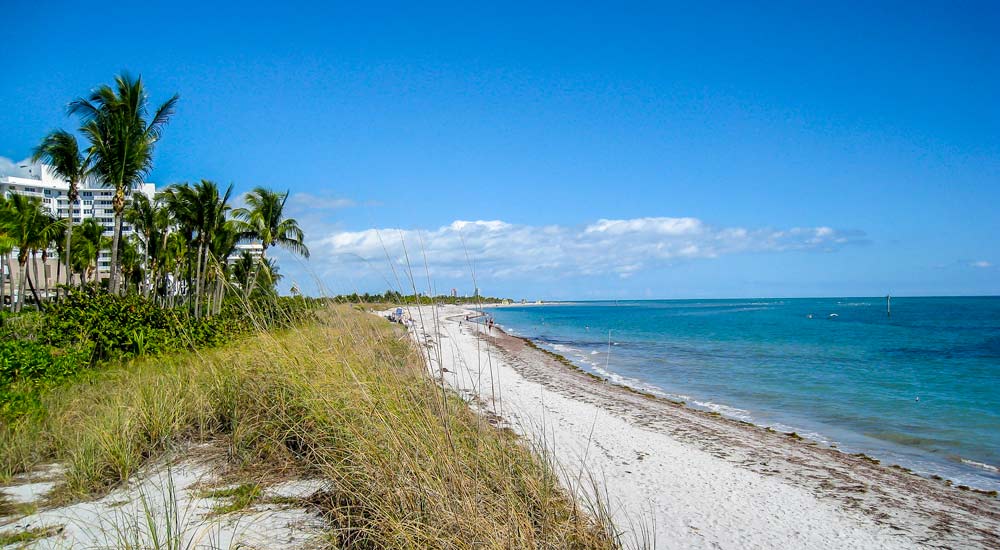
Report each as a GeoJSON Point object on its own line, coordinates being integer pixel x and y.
{"type": "Point", "coordinates": [682, 478]}
{"type": "Point", "coordinates": [167, 500]}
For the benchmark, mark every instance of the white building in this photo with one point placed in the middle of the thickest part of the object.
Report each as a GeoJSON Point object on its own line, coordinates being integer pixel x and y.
{"type": "Point", "coordinates": [94, 202]}
{"type": "Point", "coordinates": [255, 249]}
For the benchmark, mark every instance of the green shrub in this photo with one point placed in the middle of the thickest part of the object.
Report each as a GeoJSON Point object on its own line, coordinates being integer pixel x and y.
{"type": "Point", "coordinates": [90, 326]}
{"type": "Point", "coordinates": [26, 368]}
{"type": "Point", "coordinates": [20, 326]}
{"type": "Point", "coordinates": [117, 326]}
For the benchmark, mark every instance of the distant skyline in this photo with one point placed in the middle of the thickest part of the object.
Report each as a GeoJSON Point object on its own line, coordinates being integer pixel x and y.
{"type": "Point", "coordinates": [567, 151]}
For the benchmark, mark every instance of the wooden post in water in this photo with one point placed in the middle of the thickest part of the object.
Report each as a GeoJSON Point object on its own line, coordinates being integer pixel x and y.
{"type": "Point", "coordinates": [888, 305]}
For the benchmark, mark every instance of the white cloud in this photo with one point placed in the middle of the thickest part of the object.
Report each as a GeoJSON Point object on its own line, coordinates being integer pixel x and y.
{"type": "Point", "coordinates": [9, 167]}
{"type": "Point", "coordinates": [501, 250]}
{"type": "Point", "coordinates": [982, 264]}
{"type": "Point", "coordinates": [660, 226]}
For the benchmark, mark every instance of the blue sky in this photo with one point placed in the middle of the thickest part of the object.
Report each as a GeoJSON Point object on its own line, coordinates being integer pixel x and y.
{"type": "Point", "coordinates": [615, 150]}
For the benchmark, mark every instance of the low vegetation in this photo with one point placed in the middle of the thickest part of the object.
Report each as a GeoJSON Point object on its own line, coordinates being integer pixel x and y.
{"type": "Point", "coordinates": [26, 536]}
{"type": "Point", "coordinates": [393, 297]}
{"type": "Point", "coordinates": [237, 498]}
{"type": "Point", "coordinates": [89, 327]}
{"type": "Point", "coordinates": [344, 397]}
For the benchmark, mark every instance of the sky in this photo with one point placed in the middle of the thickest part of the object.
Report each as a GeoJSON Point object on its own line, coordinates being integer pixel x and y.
{"type": "Point", "coordinates": [567, 150]}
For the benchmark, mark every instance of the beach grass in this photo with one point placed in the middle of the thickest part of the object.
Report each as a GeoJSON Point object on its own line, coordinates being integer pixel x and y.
{"type": "Point", "coordinates": [26, 536]}
{"type": "Point", "coordinates": [239, 497]}
{"type": "Point", "coordinates": [345, 398]}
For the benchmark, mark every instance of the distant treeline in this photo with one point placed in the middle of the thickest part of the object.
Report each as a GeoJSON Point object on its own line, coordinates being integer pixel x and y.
{"type": "Point", "coordinates": [393, 297]}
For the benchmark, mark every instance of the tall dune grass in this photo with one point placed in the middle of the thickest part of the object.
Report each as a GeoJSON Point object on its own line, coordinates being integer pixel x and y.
{"type": "Point", "coordinates": [346, 398]}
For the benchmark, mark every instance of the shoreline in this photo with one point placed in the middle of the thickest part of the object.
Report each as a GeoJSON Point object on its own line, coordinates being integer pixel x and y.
{"type": "Point", "coordinates": [815, 495]}
{"type": "Point", "coordinates": [804, 433]}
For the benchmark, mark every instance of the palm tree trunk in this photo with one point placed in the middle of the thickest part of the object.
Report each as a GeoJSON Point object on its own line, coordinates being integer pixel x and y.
{"type": "Point", "coordinates": [69, 240]}
{"type": "Point", "coordinates": [222, 295]}
{"type": "Point", "coordinates": [3, 294]}
{"type": "Point", "coordinates": [204, 275]}
{"type": "Point", "coordinates": [21, 276]}
{"type": "Point", "coordinates": [115, 240]}
{"type": "Point", "coordinates": [45, 273]}
{"type": "Point", "coordinates": [34, 291]}
{"type": "Point", "coordinates": [209, 297]}
{"type": "Point", "coordinates": [59, 266]}
{"type": "Point", "coordinates": [10, 277]}
{"type": "Point", "coordinates": [150, 282]}
{"type": "Point", "coordinates": [176, 285]}
{"type": "Point", "coordinates": [256, 270]}
{"type": "Point", "coordinates": [197, 282]}
{"type": "Point", "coordinates": [147, 280]}
{"type": "Point", "coordinates": [34, 268]}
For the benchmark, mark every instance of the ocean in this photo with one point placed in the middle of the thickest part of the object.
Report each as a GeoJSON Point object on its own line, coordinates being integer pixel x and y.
{"type": "Point", "coordinates": [919, 388]}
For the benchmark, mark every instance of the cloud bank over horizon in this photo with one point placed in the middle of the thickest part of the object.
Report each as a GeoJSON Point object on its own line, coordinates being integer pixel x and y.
{"type": "Point", "coordinates": [496, 250]}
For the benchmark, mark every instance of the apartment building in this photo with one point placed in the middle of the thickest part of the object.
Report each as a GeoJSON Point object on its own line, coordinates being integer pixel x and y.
{"type": "Point", "coordinates": [94, 202]}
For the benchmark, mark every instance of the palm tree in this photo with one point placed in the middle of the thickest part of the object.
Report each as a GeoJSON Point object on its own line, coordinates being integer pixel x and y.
{"type": "Point", "coordinates": [7, 245]}
{"type": "Point", "coordinates": [150, 221]}
{"type": "Point", "coordinates": [32, 229]}
{"type": "Point", "coordinates": [223, 246]}
{"type": "Point", "coordinates": [173, 257]}
{"type": "Point", "coordinates": [268, 276]}
{"type": "Point", "coordinates": [121, 142]}
{"type": "Point", "coordinates": [61, 152]}
{"type": "Point", "coordinates": [84, 256]}
{"type": "Point", "coordinates": [242, 269]}
{"type": "Point", "coordinates": [60, 245]}
{"type": "Point", "coordinates": [265, 221]}
{"type": "Point", "coordinates": [132, 266]}
{"type": "Point", "coordinates": [200, 211]}
{"type": "Point", "coordinates": [90, 239]}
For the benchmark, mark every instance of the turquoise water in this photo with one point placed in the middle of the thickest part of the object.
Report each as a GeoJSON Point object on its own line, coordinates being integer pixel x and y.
{"type": "Point", "coordinates": [920, 388]}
